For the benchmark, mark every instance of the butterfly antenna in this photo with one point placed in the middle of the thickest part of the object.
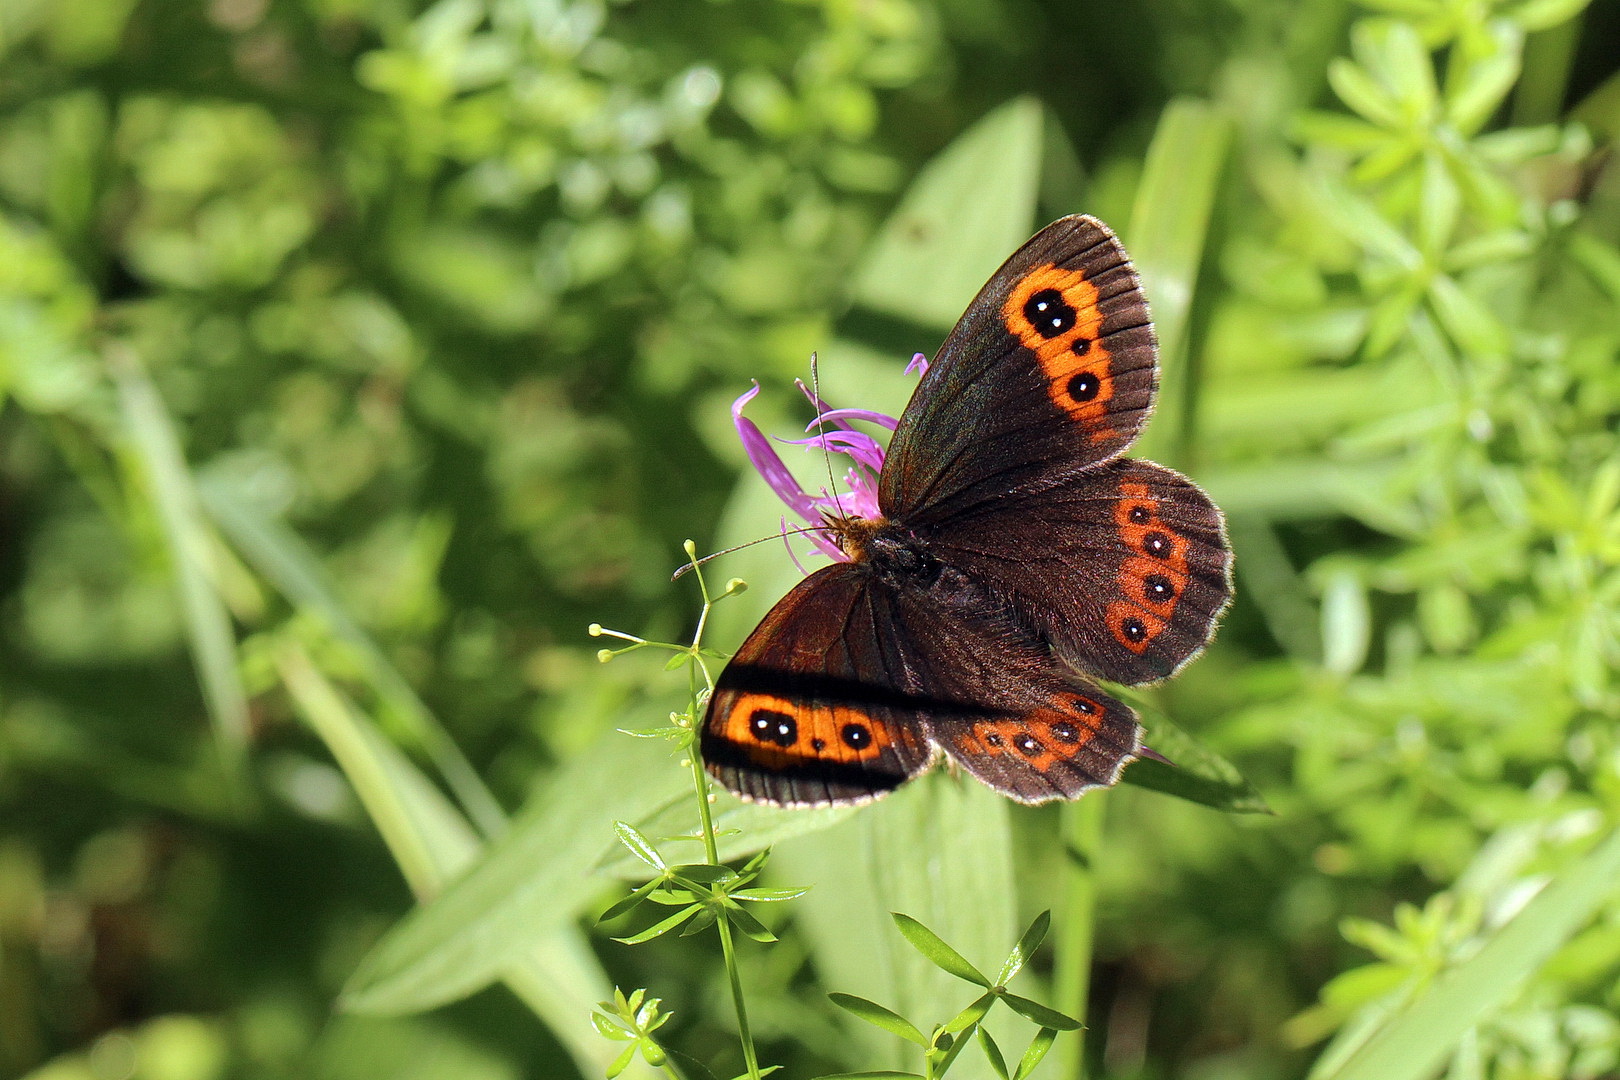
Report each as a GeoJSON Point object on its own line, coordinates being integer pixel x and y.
{"type": "Point", "coordinates": [695, 563]}
{"type": "Point", "coordinates": [826, 455]}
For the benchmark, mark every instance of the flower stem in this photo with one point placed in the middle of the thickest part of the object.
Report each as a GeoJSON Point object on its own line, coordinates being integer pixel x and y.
{"type": "Point", "coordinates": [711, 846]}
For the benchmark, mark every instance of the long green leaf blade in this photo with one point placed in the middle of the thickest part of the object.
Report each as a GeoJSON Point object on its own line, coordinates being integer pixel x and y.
{"type": "Point", "coordinates": [283, 558]}
{"type": "Point", "coordinates": [1414, 1043]}
{"type": "Point", "coordinates": [208, 625]}
{"type": "Point", "coordinates": [533, 879]}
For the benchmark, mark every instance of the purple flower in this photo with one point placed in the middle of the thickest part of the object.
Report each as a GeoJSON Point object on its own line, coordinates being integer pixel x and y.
{"type": "Point", "coordinates": [833, 434]}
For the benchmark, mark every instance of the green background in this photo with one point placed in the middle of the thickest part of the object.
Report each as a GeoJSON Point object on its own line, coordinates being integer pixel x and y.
{"type": "Point", "coordinates": [355, 355]}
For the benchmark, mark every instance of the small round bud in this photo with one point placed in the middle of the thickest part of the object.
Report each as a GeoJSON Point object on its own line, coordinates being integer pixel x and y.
{"type": "Point", "coordinates": [595, 629]}
{"type": "Point", "coordinates": [736, 585]}
{"type": "Point", "coordinates": [686, 763]}
{"type": "Point", "coordinates": [690, 547]}
{"type": "Point", "coordinates": [604, 655]}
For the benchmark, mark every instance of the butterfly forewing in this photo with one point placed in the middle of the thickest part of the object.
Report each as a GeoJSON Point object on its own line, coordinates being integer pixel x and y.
{"type": "Point", "coordinates": [1051, 367]}
{"type": "Point", "coordinates": [811, 711]}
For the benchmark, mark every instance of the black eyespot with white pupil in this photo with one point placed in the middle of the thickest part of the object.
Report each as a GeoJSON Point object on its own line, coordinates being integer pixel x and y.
{"type": "Point", "coordinates": [855, 736]}
{"type": "Point", "coordinates": [1156, 543]}
{"type": "Point", "coordinates": [1084, 386]}
{"type": "Point", "coordinates": [769, 725]}
{"type": "Point", "coordinates": [1064, 731]}
{"type": "Point", "coordinates": [1028, 744]}
{"type": "Point", "coordinates": [1140, 515]}
{"type": "Point", "coordinates": [1158, 588]}
{"type": "Point", "coordinates": [1134, 629]}
{"type": "Point", "coordinates": [1049, 313]}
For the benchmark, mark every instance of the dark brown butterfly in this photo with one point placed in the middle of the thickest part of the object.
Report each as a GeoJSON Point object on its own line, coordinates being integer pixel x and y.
{"type": "Point", "coordinates": [1017, 558]}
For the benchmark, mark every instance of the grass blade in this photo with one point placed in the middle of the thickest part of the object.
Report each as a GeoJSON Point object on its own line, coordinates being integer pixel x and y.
{"type": "Point", "coordinates": [287, 562]}
{"type": "Point", "coordinates": [1166, 236]}
{"type": "Point", "coordinates": [530, 881]}
{"type": "Point", "coordinates": [208, 625]}
{"type": "Point", "coordinates": [429, 840]}
{"type": "Point", "coordinates": [1415, 1042]}
{"type": "Point", "coordinates": [557, 975]}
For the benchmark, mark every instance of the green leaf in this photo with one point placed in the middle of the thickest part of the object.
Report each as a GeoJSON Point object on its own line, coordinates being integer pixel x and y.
{"type": "Point", "coordinates": [639, 845]}
{"type": "Point", "coordinates": [744, 829]}
{"type": "Point", "coordinates": [556, 974]}
{"type": "Point", "coordinates": [1362, 93]}
{"type": "Point", "coordinates": [1038, 1047]}
{"type": "Point", "coordinates": [1414, 1042]}
{"type": "Point", "coordinates": [1397, 57]}
{"type": "Point", "coordinates": [877, 1015]}
{"type": "Point", "coordinates": [661, 927]}
{"type": "Point", "coordinates": [620, 1063]}
{"type": "Point", "coordinates": [936, 950]}
{"type": "Point", "coordinates": [628, 904]}
{"type": "Point", "coordinates": [769, 895]}
{"type": "Point", "coordinates": [1346, 623]}
{"type": "Point", "coordinates": [534, 878]}
{"type": "Point", "coordinates": [881, 1074]}
{"type": "Point", "coordinates": [1025, 948]}
{"type": "Point", "coordinates": [1046, 1017]}
{"type": "Point", "coordinates": [174, 495]}
{"type": "Point", "coordinates": [937, 848]}
{"type": "Point", "coordinates": [745, 922]}
{"type": "Point", "coordinates": [1545, 14]}
{"type": "Point", "coordinates": [1485, 80]}
{"type": "Point", "coordinates": [971, 1015]}
{"type": "Point", "coordinates": [966, 211]}
{"type": "Point", "coordinates": [1198, 774]}
{"type": "Point", "coordinates": [992, 1053]}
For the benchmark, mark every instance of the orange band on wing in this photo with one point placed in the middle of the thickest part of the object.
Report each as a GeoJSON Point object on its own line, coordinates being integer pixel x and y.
{"type": "Point", "coordinates": [1054, 314]}
{"type": "Point", "coordinates": [777, 732]}
{"type": "Point", "coordinates": [1152, 577]}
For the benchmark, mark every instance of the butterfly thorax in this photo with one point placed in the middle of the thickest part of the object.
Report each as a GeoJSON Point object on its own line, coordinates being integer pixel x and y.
{"type": "Point", "coordinates": [891, 552]}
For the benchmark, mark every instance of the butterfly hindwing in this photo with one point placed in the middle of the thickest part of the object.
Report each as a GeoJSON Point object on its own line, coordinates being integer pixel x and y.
{"type": "Point", "coordinates": [1124, 567]}
{"type": "Point", "coordinates": [1052, 366]}
{"type": "Point", "coordinates": [1077, 739]}
{"type": "Point", "coordinates": [810, 711]}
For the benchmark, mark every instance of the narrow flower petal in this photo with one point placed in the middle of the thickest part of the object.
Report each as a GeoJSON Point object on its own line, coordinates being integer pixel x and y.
{"type": "Point", "coordinates": [827, 547]}
{"type": "Point", "coordinates": [918, 365]}
{"type": "Point", "coordinates": [768, 464]}
{"type": "Point", "coordinates": [863, 487]}
{"type": "Point", "coordinates": [857, 444]}
{"type": "Point", "coordinates": [840, 416]}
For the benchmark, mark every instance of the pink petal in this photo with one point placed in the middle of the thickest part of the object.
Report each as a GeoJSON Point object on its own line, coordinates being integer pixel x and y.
{"type": "Point", "coordinates": [768, 464]}
{"type": "Point", "coordinates": [838, 416]}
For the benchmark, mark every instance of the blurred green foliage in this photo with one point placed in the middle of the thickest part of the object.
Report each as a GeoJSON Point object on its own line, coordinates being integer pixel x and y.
{"type": "Point", "coordinates": [356, 354]}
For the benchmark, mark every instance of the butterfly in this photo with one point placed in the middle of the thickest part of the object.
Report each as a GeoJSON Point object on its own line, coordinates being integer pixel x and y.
{"type": "Point", "coordinates": [1017, 559]}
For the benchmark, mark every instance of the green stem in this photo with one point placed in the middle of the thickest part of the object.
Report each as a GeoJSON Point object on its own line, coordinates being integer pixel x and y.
{"type": "Point", "coordinates": [1081, 830]}
{"type": "Point", "coordinates": [711, 846]}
